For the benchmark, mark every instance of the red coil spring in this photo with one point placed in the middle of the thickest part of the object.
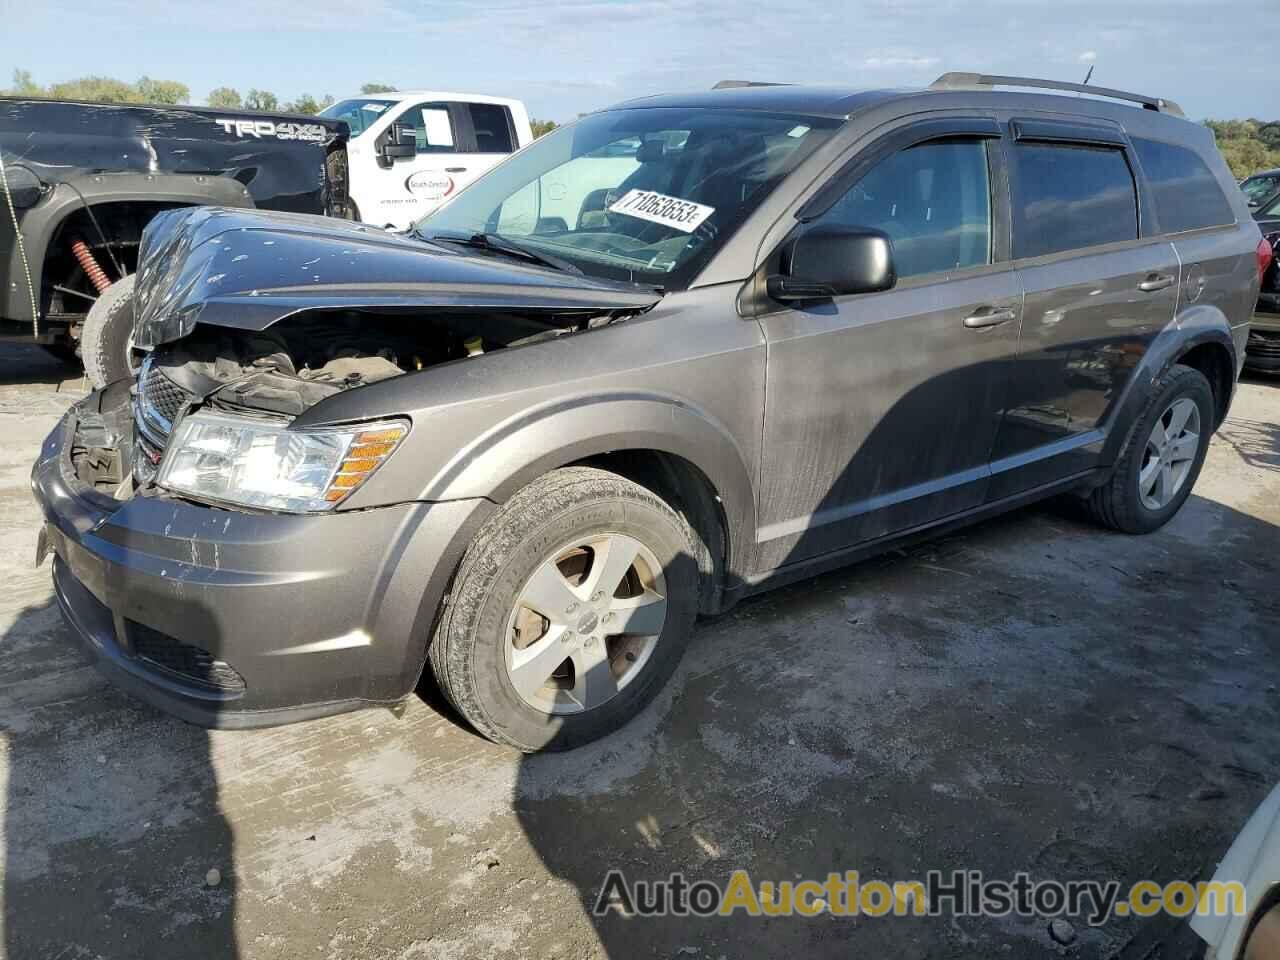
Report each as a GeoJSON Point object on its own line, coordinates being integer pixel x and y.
{"type": "Point", "coordinates": [90, 265]}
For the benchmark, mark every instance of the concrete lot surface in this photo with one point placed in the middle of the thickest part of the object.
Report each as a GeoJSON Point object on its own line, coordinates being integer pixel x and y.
{"type": "Point", "coordinates": [1034, 694]}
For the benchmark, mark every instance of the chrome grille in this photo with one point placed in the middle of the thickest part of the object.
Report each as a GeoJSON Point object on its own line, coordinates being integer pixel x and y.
{"type": "Point", "coordinates": [162, 399]}
{"type": "Point", "coordinates": [157, 403]}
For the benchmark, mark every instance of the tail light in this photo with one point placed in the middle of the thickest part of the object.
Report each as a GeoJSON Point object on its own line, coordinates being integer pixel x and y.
{"type": "Point", "coordinates": [1265, 254]}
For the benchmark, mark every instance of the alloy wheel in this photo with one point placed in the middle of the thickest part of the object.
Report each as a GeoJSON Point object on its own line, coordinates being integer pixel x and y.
{"type": "Point", "coordinates": [1169, 455]}
{"type": "Point", "coordinates": [585, 623]}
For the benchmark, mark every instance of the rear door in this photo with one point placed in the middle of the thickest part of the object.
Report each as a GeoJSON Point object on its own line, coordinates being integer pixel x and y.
{"type": "Point", "coordinates": [1098, 285]}
{"type": "Point", "coordinates": [490, 136]}
{"type": "Point", "coordinates": [881, 408]}
{"type": "Point", "coordinates": [1218, 254]}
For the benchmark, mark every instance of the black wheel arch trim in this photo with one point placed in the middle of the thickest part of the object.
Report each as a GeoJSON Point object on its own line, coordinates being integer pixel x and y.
{"type": "Point", "coordinates": [1193, 328]}
{"type": "Point", "coordinates": [41, 224]}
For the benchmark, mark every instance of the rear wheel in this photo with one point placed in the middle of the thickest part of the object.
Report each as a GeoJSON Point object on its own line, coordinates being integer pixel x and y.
{"type": "Point", "coordinates": [1162, 457]}
{"type": "Point", "coordinates": [106, 342]}
{"type": "Point", "coordinates": [569, 612]}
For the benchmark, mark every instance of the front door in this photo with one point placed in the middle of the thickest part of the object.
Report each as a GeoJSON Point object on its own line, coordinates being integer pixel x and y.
{"type": "Point", "coordinates": [454, 144]}
{"type": "Point", "coordinates": [881, 408]}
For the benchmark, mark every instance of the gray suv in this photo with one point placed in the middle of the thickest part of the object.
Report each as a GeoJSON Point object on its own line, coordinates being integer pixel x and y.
{"type": "Point", "coordinates": [674, 354]}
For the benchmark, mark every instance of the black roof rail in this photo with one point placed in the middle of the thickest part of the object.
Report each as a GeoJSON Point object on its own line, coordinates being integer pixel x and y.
{"type": "Point", "coordinates": [967, 81]}
{"type": "Point", "coordinates": [733, 84]}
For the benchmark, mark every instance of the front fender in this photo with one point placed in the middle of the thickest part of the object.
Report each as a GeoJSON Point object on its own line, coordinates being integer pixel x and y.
{"type": "Point", "coordinates": [524, 447]}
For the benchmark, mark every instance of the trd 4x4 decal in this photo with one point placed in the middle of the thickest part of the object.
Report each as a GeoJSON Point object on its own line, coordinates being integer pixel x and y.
{"type": "Point", "coordinates": [258, 129]}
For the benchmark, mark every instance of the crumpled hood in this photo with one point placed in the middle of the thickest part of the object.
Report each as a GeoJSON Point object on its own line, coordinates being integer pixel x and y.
{"type": "Point", "coordinates": [249, 269]}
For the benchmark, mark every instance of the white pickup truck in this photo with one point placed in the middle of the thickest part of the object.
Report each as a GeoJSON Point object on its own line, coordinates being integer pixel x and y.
{"type": "Point", "coordinates": [411, 150]}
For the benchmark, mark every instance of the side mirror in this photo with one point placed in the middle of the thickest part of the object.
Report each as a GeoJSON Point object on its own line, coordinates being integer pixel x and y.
{"type": "Point", "coordinates": [834, 261]}
{"type": "Point", "coordinates": [401, 144]}
{"type": "Point", "coordinates": [1255, 203]}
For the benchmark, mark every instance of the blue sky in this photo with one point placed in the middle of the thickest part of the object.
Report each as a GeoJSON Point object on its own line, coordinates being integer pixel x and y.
{"type": "Point", "coordinates": [566, 56]}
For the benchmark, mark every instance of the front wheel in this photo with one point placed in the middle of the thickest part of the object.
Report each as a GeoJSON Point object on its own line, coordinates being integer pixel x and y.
{"type": "Point", "coordinates": [1162, 457]}
{"type": "Point", "coordinates": [569, 612]}
{"type": "Point", "coordinates": [106, 342]}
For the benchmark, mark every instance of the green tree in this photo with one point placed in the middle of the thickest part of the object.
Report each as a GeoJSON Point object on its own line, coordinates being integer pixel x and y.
{"type": "Point", "coordinates": [369, 88]}
{"type": "Point", "coordinates": [162, 91]}
{"type": "Point", "coordinates": [261, 100]}
{"type": "Point", "coordinates": [225, 97]}
{"type": "Point", "coordinates": [1247, 145]}
{"type": "Point", "coordinates": [1269, 134]}
{"type": "Point", "coordinates": [24, 86]}
{"type": "Point", "coordinates": [541, 127]}
{"type": "Point", "coordinates": [304, 104]}
{"type": "Point", "coordinates": [102, 89]}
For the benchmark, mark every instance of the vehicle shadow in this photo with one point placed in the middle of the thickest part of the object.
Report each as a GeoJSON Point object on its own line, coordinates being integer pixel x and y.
{"type": "Point", "coordinates": [1030, 694]}
{"type": "Point", "coordinates": [23, 363]}
{"type": "Point", "coordinates": [948, 707]}
{"type": "Point", "coordinates": [111, 817]}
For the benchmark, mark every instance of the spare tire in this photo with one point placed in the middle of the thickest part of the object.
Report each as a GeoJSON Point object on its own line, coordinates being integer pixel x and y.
{"type": "Point", "coordinates": [106, 342]}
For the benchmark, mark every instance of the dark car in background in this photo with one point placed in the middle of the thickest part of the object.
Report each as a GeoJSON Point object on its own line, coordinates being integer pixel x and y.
{"type": "Point", "coordinates": [1261, 188]}
{"type": "Point", "coordinates": [1263, 351]}
{"type": "Point", "coordinates": [83, 180]}
{"type": "Point", "coordinates": [673, 354]}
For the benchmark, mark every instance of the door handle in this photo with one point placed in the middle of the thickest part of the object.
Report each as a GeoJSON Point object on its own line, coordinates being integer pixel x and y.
{"type": "Point", "coordinates": [989, 317]}
{"type": "Point", "coordinates": [1157, 281]}
{"type": "Point", "coordinates": [455, 169]}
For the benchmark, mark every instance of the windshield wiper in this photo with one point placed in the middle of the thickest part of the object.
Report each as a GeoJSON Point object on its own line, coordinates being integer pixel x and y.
{"type": "Point", "coordinates": [500, 244]}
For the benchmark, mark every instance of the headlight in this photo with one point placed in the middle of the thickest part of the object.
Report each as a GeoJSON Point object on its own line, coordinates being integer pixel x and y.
{"type": "Point", "coordinates": [262, 464]}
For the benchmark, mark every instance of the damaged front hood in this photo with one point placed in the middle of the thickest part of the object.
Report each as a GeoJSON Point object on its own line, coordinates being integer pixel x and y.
{"type": "Point", "coordinates": [250, 269]}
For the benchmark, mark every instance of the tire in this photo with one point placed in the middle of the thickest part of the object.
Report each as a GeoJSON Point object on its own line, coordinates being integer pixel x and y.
{"type": "Point", "coordinates": [470, 654]}
{"type": "Point", "coordinates": [1119, 503]}
{"type": "Point", "coordinates": [107, 338]}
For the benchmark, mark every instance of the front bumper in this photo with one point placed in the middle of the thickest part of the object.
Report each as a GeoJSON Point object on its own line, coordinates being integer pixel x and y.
{"type": "Point", "coordinates": [235, 619]}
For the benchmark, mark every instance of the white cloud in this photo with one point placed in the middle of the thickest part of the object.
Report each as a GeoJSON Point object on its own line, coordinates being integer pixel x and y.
{"type": "Point", "coordinates": [1089, 56]}
{"type": "Point", "coordinates": [899, 63]}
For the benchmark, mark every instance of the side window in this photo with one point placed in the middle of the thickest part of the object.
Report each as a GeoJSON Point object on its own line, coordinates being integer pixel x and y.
{"type": "Point", "coordinates": [492, 124]}
{"type": "Point", "coordinates": [433, 128]}
{"type": "Point", "coordinates": [1066, 197]}
{"type": "Point", "coordinates": [934, 202]}
{"type": "Point", "coordinates": [1186, 193]}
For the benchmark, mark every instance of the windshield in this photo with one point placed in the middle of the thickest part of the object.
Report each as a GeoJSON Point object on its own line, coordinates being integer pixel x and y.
{"type": "Point", "coordinates": [646, 195]}
{"type": "Point", "coordinates": [1258, 189]}
{"type": "Point", "coordinates": [359, 114]}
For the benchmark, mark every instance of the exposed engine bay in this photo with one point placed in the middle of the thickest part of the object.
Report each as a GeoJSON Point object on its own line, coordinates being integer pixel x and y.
{"type": "Point", "coordinates": [280, 372]}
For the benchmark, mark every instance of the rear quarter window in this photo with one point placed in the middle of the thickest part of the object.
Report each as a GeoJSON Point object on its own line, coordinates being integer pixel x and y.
{"type": "Point", "coordinates": [1185, 191]}
{"type": "Point", "coordinates": [1067, 197]}
{"type": "Point", "coordinates": [492, 124]}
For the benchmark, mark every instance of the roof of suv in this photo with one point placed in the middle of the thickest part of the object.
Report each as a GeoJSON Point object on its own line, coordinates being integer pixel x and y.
{"type": "Point", "coordinates": [835, 102]}
{"type": "Point", "coordinates": [840, 102]}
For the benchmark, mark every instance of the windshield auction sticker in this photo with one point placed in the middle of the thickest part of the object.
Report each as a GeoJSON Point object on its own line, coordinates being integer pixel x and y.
{"type": "Point", "coordinates": [655, 207]}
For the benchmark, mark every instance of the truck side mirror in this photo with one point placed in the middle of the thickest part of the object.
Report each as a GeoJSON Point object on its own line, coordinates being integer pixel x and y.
{"type": "Point", "coordinates": [833, 261]}
{"type": "Point", "coordinates": [401, 144]}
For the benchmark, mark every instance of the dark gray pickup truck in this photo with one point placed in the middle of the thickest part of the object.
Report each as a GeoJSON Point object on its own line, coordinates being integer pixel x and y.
{"type": "Point", "coordinates": [81, 180]}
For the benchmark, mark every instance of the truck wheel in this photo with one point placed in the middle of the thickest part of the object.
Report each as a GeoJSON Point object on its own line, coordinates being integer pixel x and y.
{"type": "Point", "coordinates": [1162, 457]}
{"type": "Point", "coordinates": [106, 342]}
{"type": "Point", "coordinates": [569, 612]}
